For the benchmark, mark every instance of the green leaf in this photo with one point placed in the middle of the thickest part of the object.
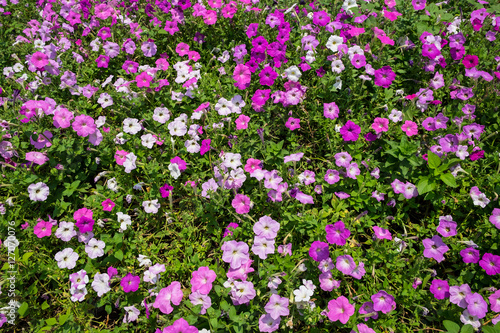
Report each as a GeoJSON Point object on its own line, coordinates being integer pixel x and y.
{"type": "Point", "coordinates": [489, 329]}
{"type": "Point", "coordinates": [22, 309]}
{"type": "Point", "coordinates": [433, 159]}
{"type": "Point", "coordinates": [26, 256]}
{"type": "Point", "coordinates": [119, 255]}
{"type": "Point", "coordinates": [448, 179]}
{"type": "Point", "coordinates": [63, 318]}
{"type": "Point", "coordinates": [45, 305]}
{"type": "Point", "coordinates": [467, 329]}
{"type": "Point", "coordinates": [51, 321]}
{"type": "Point", "coordinates": [425, 185]}
{"type": "Point", "coordinates": [451, 326]}
{"type": "Point", "coordinates": [214, 323]}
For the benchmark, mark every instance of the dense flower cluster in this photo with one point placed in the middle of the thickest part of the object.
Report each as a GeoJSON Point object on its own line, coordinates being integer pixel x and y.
{"type": "Point", "coordinates": [125, 120]}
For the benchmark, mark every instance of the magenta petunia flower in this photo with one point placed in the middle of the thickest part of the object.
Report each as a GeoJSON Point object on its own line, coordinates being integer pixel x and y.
{"type": "Point", "coordinates": [337, 233]}
{"type": "Point", "coordinates": [82, 212]}
{"type": "Point", "coordinates": [62, 118]}
{"type": "Point", "coordinates": [84, 125]}
{"type": "Point", "coordinates": [180, 163]}
{"type": "Point", "coordinates": [418, 4]}
{"type": "Point", "coordinates": [490, 263]}
{"type": "Point", "coordinates": [39, 59]}
{"type": "Point", "coordinates": [384, 77]}
{"type": "Point", "coordinates": [205, 146]}
{"type": "Point", "coordinates": [102, 61]}
{"type": "Point", "coordinates": [252, 30]}
{"type": "Point", "coordinates": [446, 227]}
{"type": "Point", "coordinates": [332, 176]}
{"type": "Point", "coordinates": [470, 61]}
{"type": "Point", "coordinates": [85, 224]}
{"type": "Point", "coordinates": [358, 60]}
{"type": "Point", "coordinates": [229, 230]}
{"type": "Point", "coordinates": [430, 51]}
{"type": "Point", "coordinates": [410, 128]}
{"type": "Point", "coordinates": [350, 131]}
{"type": "Point", "coordinates": [43, 229]}
{"type": "Point", "coordinates": [319, 251]}
{"type": "Point", "coordinates": [470, 255]}
{"type": "Point", "coordinates": [104, 33]}
{"type": "Point", "coordinates": [130, 282]}
{"type": "Point", "coordinates": [440, 289]}
{"type": "Point", "coordinates": [261, 96]}
{"type": "Point", "coordinates": [382, 301]}
{"type": "Point", "coordinates": [241, 203]}
{"type": "Point", "coordinates": [340, 309]}
{"type": "Point", "coordinates": [165, 190]}
{"type": "Point", "coordinates": [252, 165]}
{"type": "Point", "coordinates": [143, 80]}
{"type": "Point", "coordinates": [108, 205]}
{"type": "Point", "coordinates": [435, 248]}
{"type": "Point", "coordinates": [267, 76]}
{"type": "Point", "coordinates": [293, 123]}
{"type": "Point", "coordinates": [171, 27]}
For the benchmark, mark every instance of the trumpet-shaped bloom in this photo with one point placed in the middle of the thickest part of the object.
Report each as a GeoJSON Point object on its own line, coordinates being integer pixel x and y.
{"type": "Point", "coordinates": [340, 309]}
{"type": "Point", "coordinates": [171, 294]}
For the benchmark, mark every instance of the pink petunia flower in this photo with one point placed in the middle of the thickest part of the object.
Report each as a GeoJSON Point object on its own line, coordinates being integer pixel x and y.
{"type": "Point", "coordinates": [202, 280]}
{"type": "Point", "coordinates": [241, 203]}
{"type": "Point", "coordinates": [171, 294]}
{"type": "Point", "coordinates": [382, 301]}
{"type": "Point", "coordinates": [410, 128]}
{"type": "Point", "coordinates": [293, 123]}
{"type": "Point", "coordinates": [380, 125]}
{"type": "Point", "coordinates": [340, 309]}
{"type": "Point", "coordinates": [382, 233]}
{"type": "Point", "coordinates": [490, 263]}
{"type": "Point", "coordinates": [242, 122]}
{"type": "Point", "coordinates": [84, 125]}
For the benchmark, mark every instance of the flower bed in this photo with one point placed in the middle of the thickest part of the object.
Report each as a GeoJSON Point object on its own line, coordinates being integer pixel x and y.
{"type": "Point", "coordinates": [246, 166]}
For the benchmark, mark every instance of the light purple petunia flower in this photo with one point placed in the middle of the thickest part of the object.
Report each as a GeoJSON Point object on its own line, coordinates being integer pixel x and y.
{"type": "Point", "coordinates": [435, 248]}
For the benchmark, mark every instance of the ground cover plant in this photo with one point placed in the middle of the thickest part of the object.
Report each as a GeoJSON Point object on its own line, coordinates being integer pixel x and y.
{"type": "Point", "coordinates": [249, 166]}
